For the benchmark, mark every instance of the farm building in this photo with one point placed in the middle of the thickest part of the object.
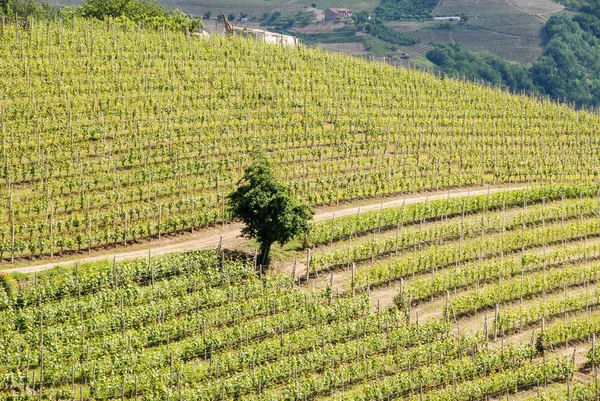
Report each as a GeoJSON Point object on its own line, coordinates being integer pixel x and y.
{"type": "Point", "coordinates": [260, 34]}
{"type": "Point", "coordinates": [337, 14]}
{"type": "Point", "coordinates": [446, 19]}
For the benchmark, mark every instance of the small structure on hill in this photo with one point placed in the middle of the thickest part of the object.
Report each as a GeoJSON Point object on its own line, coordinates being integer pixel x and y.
{"type": "Point", "coordinates": [446, 19]}
{"type": "Point", "coordinates": [337, 14]}
{"type": "Point", "coordinates": [260, 34]}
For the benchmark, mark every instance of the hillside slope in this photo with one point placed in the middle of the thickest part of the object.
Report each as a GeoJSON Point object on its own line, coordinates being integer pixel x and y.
{"type": "Point", "coordinates": [111, 133]}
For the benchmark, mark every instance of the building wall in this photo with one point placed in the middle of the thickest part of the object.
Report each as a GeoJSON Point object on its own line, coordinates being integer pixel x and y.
{"type": "Point", "coordinates": [336, 16]}
{"type": "Point", "coordinates": [331, 16]}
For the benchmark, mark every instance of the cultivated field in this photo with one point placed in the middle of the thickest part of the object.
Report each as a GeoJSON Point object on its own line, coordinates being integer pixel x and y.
{"type": "Point", "coordinates": [513, 30]}
{"type": "Point", "coordinates": [253, 8]}
{"type": "Point", "coordinates": [486, 297]}
{"type": "Point", "coordinates": [112, 134]}
{"type": "Point", "coordinates": [130, 134]}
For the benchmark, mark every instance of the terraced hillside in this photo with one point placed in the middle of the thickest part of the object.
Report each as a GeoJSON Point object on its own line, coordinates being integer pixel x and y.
{"type": "Point", "coordinates": [493, 297]}
{"type": "Point", "coordinates": [112, 133]}
{"type": "Point", "coordinates": [519, 269]}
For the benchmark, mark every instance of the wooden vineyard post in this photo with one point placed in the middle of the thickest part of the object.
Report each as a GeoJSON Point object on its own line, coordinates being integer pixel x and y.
{"type": "Point", "coordinates": [379, 218]}
{"type": "Point", "coordinates": [353, 283]}
{"type": "Point", "coordinates": [357, 223]}
{"type": "Point", "coordinates": [159, 220]}
{"type": "Point", "coordinates": [485, 329]}
{"type": "Point", "coordinates": [26, 369]}
{"type": "Point", "coordinates": [401, 290]}
{"type": "Point", "coordinates": [192, 219]}
{"type": "Point", "coordinates": [12, 235]}
{"type": "Point", "coordinates": [432, 280]}
{"type": "Point", "coordinates": [89, 226]}
{"type": "Point", "coordinates": [496, 313]}
{"type": "Point", "coordinates": [373, 249]}
{"type": "Point", "coordinates": [594, 366]}
{"type": "Point", "coordinates": [41, 356]}
{"type": "Point", "coordinates": [151, 270]}
{"type": "Point", "coordinates": [307, 263]}
{"type": "Point", "coordinates": [446, 309]}
{"type": "Point", "coordinates": [332, 228]}
{"type": "Point", "coordinates": [126, 228]}
{"type": "Point", "coordinates": [220, 244]}
{"type": "Point", "coordinates": [544, 349]}
{"type": "Point", "coordinates": [115, 279]}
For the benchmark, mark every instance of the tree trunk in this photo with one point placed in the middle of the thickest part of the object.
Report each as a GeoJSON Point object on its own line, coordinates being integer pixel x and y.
{"type": "Point", "coordinates": [265, 249]}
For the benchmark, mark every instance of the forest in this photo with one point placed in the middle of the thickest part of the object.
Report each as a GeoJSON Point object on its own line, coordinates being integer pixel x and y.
{"type": "Point", "coordinates": [568, 70]}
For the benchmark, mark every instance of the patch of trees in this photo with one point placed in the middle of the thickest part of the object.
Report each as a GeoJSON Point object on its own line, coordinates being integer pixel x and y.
{"type": "Point", "coordinates": [568, 70]}
{"type": "Point", "coordinates": [144, 12]}
{"type": "Point", "coordinates": [279, 21]}
{"type": "Point", "coordinates": [585, 6]}
{"type": "Point", "coordinates": [24, 9]}
{"type": "Point", "coordinates": [377, 28]}
{"type": "Point", "coordinates": [455, 60]}
{"type": "Point", "coordinates": [570, 65]}
{"type": "Point", "coordinates": [147, 13]}
{"type": "Point", "coordinates": [404, 10]}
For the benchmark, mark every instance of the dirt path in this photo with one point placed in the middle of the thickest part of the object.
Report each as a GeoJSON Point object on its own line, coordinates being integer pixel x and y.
{"type": "Point", "coordinates": [230, 233]}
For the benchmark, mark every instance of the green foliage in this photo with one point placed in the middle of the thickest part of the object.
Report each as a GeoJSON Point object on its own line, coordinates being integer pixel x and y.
{"type": "Point", "coordinates": [378, 29]}
{"type": "Point", "coordinates": [342, 35]}
{"type": "Point", "coordinates": [570, 65]}
{"type": "Point", "coordinates": [145, 12]}
{"type": "Point", "coordinates": [24, 9]}
{"type": "Point", "coordinates": [403, 10]}
{"type": "Point", "coordinates": [216, 119]}
{"type": "Point", "coordinates": [455, 60]}
{"type": "Point", "coordinates": [8, 284]}
{"type": "Point", "coordinates": [569, 68]}
{"type": "Point", "coordinates": [133, 9]}
{"type": "Point", "coordinates": [267, 208]}
{"type": "Point", "coordinates": [584, 6]}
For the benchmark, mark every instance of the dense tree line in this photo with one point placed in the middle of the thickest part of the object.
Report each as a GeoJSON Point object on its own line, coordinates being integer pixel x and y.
{"type": "Point", "coordinates": [568, 70]}
{"type": "Point", "coordinates": [402, 10]}
{"type": "Point", "coordinates": [377, 28]}
{"type": "Point", "coordinates": [26, 9]}
{"type": "Point", "coordinates": [144, 12]}
{"type": "Point", "coordinates": [585, 6]}
{"type": "Point", "coordinates": [455, 60]}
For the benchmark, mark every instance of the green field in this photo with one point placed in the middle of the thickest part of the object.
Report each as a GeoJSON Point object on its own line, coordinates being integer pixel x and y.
{"type": "Point", "coordinates": [512, 30]}
{"type": "Point", "coordinates": [114, 141]}
{"type": "Point", "coordinates": [473, 278]}
{"type": "Point", "coordinates": [112, 134]}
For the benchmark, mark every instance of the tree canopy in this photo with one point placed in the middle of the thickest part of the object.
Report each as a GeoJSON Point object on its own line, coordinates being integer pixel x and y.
{"type": "Point", "coordinates": [268, 210]}
{"type": "Point", "coordinates": [569, 68]}
{"type": "Point", "coordinates": [146, 12]}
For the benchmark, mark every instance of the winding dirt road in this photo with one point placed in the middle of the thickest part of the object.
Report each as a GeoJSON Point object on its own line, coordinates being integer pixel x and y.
{"type": "Point", "coordinates": [230, 233]}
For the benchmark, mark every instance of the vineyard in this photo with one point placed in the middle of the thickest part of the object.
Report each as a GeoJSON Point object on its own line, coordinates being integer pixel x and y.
{"type": "Point", "coordinates": [496, 297]}
{"type": "Point", "coordinates": [112, 133]}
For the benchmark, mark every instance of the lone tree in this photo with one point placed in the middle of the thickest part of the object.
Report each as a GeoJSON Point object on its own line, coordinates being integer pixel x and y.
{"type": "Point", "coordinates": [267, 208]}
